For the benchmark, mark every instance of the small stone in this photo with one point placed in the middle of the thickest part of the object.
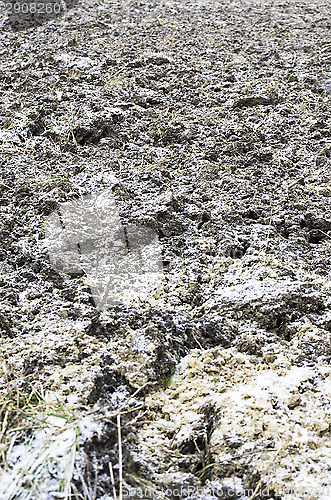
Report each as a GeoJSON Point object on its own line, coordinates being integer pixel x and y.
{"type": "Point", "coordinates": [63, 313]}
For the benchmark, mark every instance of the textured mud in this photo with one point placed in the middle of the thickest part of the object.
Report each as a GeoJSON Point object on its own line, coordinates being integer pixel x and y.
{"type": "Point", "coordinates": [210, 122]}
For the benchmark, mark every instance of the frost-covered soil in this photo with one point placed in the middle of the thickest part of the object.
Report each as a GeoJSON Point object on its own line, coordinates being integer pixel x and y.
{"type": "Point", "coordinates": [210, 123]}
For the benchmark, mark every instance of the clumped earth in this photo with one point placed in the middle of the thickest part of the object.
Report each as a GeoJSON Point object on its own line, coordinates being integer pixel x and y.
{"type": "Point", "coordinates": [210, 123]}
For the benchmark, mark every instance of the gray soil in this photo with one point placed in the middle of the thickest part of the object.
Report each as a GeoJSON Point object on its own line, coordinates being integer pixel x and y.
{"type": "Point", "coordinates": [210, 122]}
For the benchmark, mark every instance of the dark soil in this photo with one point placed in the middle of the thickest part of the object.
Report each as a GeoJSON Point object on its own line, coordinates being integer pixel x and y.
{"type": "Point", "coordinates": [210, 122]}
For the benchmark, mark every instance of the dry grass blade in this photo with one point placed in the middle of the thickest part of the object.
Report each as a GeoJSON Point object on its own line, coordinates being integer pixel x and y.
{"type": "Point", "coordinates": [120, 456]}
{"type": "Point", "coordinates": [112, 480]}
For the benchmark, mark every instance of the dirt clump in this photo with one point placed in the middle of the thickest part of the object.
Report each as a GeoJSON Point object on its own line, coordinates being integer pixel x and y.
{"type": "Point", "coordinates": [210, 124]}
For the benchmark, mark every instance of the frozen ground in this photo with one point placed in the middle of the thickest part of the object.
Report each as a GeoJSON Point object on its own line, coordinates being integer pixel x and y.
{"type": "Point", "coordinates": [209, 122]}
